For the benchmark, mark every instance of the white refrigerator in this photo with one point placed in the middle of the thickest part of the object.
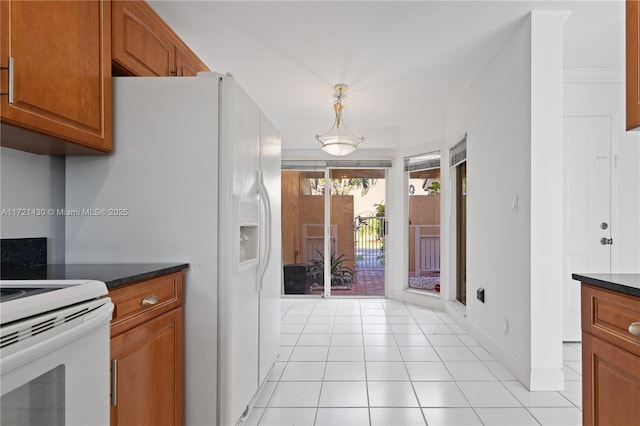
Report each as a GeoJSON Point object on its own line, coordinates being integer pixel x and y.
{"type": "Point", "coordinates": [194, 177]}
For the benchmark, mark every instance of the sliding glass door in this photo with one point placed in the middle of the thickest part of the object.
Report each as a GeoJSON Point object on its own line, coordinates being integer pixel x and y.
{"type": "Point", "coordinates": [333, 231]}
{"type": "Point", "coordinates": [357, 232]}
{"type": "Point", "coordinates": [302, 229]}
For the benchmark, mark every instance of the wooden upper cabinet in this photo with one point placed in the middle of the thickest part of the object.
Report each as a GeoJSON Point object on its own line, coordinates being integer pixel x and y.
{"type": "Point", "coordinates": [139, 45]}
{"type": "Point", "coordinates": [144, 45]}
{"type": "Point", "coordinates": [187, 64]}
{"type": "Point", "coordinates": [60, 96]}
{"type": "Point", "coordinates": [633, 68]}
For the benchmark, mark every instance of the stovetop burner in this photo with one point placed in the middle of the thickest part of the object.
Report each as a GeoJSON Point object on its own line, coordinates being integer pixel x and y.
{"type": "Point", "coordinates": [13, 293]}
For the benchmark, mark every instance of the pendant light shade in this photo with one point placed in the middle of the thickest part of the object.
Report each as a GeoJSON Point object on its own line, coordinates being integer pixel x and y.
{"type": "Point", "coordinates": [339, 140]}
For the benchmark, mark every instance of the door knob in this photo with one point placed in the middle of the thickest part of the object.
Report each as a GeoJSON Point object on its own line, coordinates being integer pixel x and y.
{"type": "Point", "coordinates": [604, 241]}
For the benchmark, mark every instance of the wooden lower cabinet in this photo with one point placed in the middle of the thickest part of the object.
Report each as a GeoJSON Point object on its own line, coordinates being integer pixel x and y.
{"type": "Point", "coordinates": [610, 358]}
{"type": "Point", "coordinates": [147, 353]}
{"type": "Point", "coordinates": [611, 385]}
{"type": "Point", "coordinates": [148, 368]}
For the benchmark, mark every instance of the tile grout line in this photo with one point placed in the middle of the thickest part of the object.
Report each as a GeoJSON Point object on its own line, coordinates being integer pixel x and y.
{"type": "Point", "coordinates": [317, 408]}
{"type": "Point", "coordinates": [415, 393]}
{"type": "Point", "coordinates": [366, 377]}
{"type": "Point", "coordinates": [403, 358]}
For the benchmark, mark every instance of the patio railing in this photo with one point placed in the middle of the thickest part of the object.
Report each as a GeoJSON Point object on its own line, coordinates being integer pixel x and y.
{"type": "Point", "coordinates": [369, 242]}
{"type": "Point", "coordinates": [427, 248]}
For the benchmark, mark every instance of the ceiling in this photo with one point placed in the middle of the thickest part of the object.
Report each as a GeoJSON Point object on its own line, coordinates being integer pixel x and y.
{"type": "Point", "coordinates": [404, 62]}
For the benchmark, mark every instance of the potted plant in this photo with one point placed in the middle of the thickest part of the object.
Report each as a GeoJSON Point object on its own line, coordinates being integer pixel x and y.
{"type": "Point", "coordinates": [341, 276]}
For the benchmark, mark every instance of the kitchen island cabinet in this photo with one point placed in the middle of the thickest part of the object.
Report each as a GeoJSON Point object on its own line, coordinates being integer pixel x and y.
{"type": "Point", "coordinates": [610, 349]}
{"type": "Point", "coordinates": [144, 45]}
{"type": "Point", "coordinates": [147, 352]}
{"type": "Point", "coordinates": [632, 64]}
{"type": "Point", "coordinates": [56, 76]}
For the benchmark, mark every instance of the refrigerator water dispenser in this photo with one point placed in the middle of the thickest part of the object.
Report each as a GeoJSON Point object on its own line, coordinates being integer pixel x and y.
{"type": "Point", "coordinates": [247, 227]}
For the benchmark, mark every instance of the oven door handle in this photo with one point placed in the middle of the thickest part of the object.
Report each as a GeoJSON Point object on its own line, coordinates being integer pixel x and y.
{"type": "Point", "coordinates": [83, 325]}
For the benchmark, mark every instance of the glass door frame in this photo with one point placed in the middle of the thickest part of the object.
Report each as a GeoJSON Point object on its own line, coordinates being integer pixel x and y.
{"type": "Point", "coordinates": [302, 169]}
{"type": "Point", "coordinates": [326, 169]}
{"type": "Point", "coordinates": [327, 231]}
{"type": "Point", "coordinates": [460, 171]}
{"type": "Point", "coordinates": [425, 161]}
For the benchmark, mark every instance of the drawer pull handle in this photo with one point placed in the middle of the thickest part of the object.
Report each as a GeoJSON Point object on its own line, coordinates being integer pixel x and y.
{"type": "Point", "coordinates": [149, 300]}
{"type": "Point", "coordinates": [634, 328]}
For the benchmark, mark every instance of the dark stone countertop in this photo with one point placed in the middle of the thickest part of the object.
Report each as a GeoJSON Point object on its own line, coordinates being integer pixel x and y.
{"type": "Point", "coordinates": [112, 274]}
{"type": "Point", "coordinates": [621, 283]}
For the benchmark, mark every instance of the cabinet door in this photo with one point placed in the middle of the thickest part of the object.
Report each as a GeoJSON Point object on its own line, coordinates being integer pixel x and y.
{"type": "Point", "coordinates": [610, 384]}
{"type": "Point", "coordinates": [187, 64]}
{"type": "Point", "coordinates": [61, 72]}
{"type": "Point", "coordinates": [633, 68]}
{"type": "Point", "coordinates": [140, 45]}
{"type": "Point", "coordinates": [147, 367]}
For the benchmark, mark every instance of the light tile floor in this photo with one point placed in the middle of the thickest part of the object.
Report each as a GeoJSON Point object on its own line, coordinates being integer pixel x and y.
{"type": "Point", "coordinates": [354, 362]}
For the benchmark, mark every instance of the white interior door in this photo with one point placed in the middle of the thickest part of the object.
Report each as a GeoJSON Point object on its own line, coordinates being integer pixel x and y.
{"type": "Point", "coordinates": [587, 209]}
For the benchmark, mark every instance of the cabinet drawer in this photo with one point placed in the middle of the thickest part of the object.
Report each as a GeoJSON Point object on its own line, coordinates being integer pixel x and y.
{"type": "Point", "coordinates": [607, 315]}
{"type": "Point", "coordinates": [138, 302]}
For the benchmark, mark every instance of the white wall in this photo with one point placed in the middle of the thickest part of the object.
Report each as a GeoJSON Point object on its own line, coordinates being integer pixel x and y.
{"type": "Point", "coordinates": [32, 181]}
{"type": "Point", "coordinates": [418, 135]}
{"type": "Point", "coordinates": [496, 113]}
{"type": "Point", "coordinates": [512, 114]}
{"type": "Point", "coordinates": [546, 226]}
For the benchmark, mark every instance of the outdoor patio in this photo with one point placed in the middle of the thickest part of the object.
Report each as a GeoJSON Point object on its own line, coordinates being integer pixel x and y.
{"type": "Point", "coordinates": [369, 282]}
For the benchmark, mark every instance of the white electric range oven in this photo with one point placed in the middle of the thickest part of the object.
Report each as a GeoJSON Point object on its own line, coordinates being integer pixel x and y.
{"type": "Point", "coordinates": [54, 352]}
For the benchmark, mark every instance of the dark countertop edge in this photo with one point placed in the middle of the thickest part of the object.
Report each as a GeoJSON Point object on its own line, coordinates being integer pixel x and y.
{"type": "Point", "coordinates": [112, 274]}
{"type": "Point", "coordinates": [621, 283]}
{"type": "Point", "coordinates": [146, 275]}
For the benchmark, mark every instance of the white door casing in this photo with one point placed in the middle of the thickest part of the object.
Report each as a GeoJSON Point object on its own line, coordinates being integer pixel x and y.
{"type": "Point", "coordinates": [587, 144]}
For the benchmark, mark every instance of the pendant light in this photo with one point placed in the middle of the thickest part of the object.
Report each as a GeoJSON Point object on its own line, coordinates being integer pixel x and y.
{"type": "Point", "coordinates": [339, 140]}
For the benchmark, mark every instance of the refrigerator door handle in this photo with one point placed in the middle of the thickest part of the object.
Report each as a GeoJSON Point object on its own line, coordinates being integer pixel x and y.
{"type": "Point", "coordinates": [264, 197]}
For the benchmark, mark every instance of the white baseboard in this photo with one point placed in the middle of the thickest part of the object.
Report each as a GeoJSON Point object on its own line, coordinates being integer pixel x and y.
{"type": "Point", "coordinates": [417, 297]}
{"type": "Point", "coordinates": [536, 379]}
{"type": "Point", "coordinates": [546, 379]}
